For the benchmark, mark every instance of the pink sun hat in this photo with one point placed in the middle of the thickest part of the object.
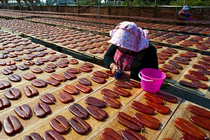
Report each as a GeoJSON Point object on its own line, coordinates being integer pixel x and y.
{"type": "Point", "coordinates": [127, 35]}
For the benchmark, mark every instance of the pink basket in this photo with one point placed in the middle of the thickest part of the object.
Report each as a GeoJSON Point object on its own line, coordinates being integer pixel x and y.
{"type": "Point", "coordinates": [151, 79]}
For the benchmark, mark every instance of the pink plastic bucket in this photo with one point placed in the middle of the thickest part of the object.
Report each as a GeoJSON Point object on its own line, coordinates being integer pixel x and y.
{"type": "Point", "coordinates": [151, 79]}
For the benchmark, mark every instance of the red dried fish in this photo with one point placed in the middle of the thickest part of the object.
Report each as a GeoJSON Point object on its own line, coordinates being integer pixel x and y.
{"type": "Point", "coordinates": [69, 75]}
{"type": "Point", "coordinates": [160, 61]}
{"type": "Point", "coordinates": [175, 64]}
{"type": "Point", "coordinates": [200, 85]}
{"type": "Point", "coordinates": [203, 62]}
{"type": "Point", "coordinates": [201, 121]}
{"type": "Point", "coordinates": [162, 69]}
{"type": "Point", "coordinates": [108, 92]}
{"type": "Point", "coordinates": [122, 84]}
{"type": "Point", "coordinates": [129, 134]}
{"type": "Point", "coordinates": [172, 70]}
{"type": "Point", "coordinates": [96, 112]}
{"type": "Point", "coordinates": [187, 84]}
{"type": "Point", "coordinates": [98, 79]}
{"type": "Point", "coordinates": [185, 58]}
{"type": "Point", "coordinates": [142, 108]}
{"type": "Point", "coordinates": [189, 137]}
{"type": "Point", "coordinates": [199, 111]}
{"type": "Point", "coordinates": [52, 134]}
{"type": "Point", "coordinates": [73, 70]}
{"type": "Point", "coordinates": [65, 97]}
{"type": "Point", "coordinates": [60, 124]}
{"type": "Point", "coordinates": [110, 134]}
{"type": "Point", "coordinates": [166, 96]}
{"type": "Point", "coordinates": [147, 120]}
{"type": "Point", "coordinates": [83, 88]}
{"type": "Point", "coordinates": [168, 76]}
{"type": "Point", "coordinates": [78, 111]}
{"type": "Point", "coordinates": [200, 77]}
{"type": "Point", "coordinates": [111, 101]}
{"type": "Point", "coordinates": [172, 50]}
{"type": "Point", "coordinates": [192, 54]}
{"type": "Point", "coordinates": [11, 125]}
{"type": "Point", "coordinates": [79, 125]}
{"type": "Point", "coordinates": [188, 128]}
{"type": "Point", "coordinates": [121, 91]}
{"type": "Point", "coordinates": [198, 66]}
{"type": "Point", "coordinates": [47, 98]}
{"type": "Point", "coordinates": [204, 71]}
{"type": "Point", "coordinates": [100, 74]}
{"type": "Point", "coordinates": [129, 121]}
{"type": "Point", "coordinates": [109, 73]}
{"type": "Point", "coordinates": [84, 81]}
{"type": "Point", "coordinates": [133, 83]}
{"type": "Point", "coordinates": [70, 89]}
{"type": "Point", "coordinates": [88, 65]}
{"type": "Point", "coordinates": [207, 58]}
{"type": "Point", "coordinates": [158, 107]}
{"type": "Point", "coordinates": [184, 55]}
{"type": "Point", "coordinates": [57, 77]}
{"type": "Point", "coordinates": [192, 72]}
{"type": "Point", "coordinates": [94, 101]}
{"type": "Point", "coordinates": [191, 77]}
{"type": "Point", "coordinates": [153, 98]}
{"type": "Point", "coordinates": [182, 62]}
{"type": "Point", "coordinates": [85, 69]}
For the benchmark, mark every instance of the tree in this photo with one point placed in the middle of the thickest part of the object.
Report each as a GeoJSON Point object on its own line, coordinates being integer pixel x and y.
{"type": "Point", "coordinates": [190, 2]}
{"type": "Point", "coordinates": [18, 1]}
{"type": "Point", "coordinates": [25, 2]}
{"type": "Point", "coordinates": [2, 1]}
{"type": "Point", "coordinates": [7, 4]}
{"type": "Point", "coordinates": [31, 3]}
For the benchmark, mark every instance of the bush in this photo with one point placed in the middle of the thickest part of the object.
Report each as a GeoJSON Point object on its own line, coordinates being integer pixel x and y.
{"type": "Point", "coordinates": [207, 3]}
{"type": "Point", "coordinates": [136, 2]}
{"type": "Point", "coordinates": [142, 2]}
{"type": "Point", "coordinates": [192, 2]}
{"type": "Point", "coordinates": [85, 2]}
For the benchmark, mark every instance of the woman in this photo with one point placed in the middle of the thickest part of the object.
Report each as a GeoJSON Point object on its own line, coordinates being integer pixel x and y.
{"type": "Point", "coordinates": [130, 50]}
{"type": "Point", "coordinates": [184, 14]}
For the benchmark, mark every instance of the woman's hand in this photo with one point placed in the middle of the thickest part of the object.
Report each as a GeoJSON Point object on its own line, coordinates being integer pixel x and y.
{"type": "Point", "coordinates": [125, 75]}
{"type": "Point", "coordinates": [115, 68]}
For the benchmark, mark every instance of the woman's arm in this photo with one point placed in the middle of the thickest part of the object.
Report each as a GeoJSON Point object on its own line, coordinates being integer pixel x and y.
{"type": "Point", "coordinates": [182, 16]}
{"type": "Point", "coordinates": [108, 57]}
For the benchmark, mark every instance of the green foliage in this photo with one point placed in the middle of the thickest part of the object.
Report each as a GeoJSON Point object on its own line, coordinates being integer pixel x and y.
{"type": "Point", "coordinates": [141, 2]}
{"type": "Point", "coordinates": [94, 2]}
{"type": "Point", "coordinates": [85, 2]}
{"type": "Point", "coordinates": [191, 2]}
{"type": "Point", "coordinates": [136, 2]}
{"type": "Point", "coordinates": [161, 3]}
{"type": "Point", "coordinates": [207, 3]}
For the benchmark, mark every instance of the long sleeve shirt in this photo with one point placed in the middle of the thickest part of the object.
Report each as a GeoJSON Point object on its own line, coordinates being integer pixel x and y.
{"type": "Point", "coordinates": [146, 58]}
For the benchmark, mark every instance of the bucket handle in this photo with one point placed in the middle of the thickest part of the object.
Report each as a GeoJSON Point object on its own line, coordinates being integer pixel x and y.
{"type": "Point", "coordinates": [145, 79]}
